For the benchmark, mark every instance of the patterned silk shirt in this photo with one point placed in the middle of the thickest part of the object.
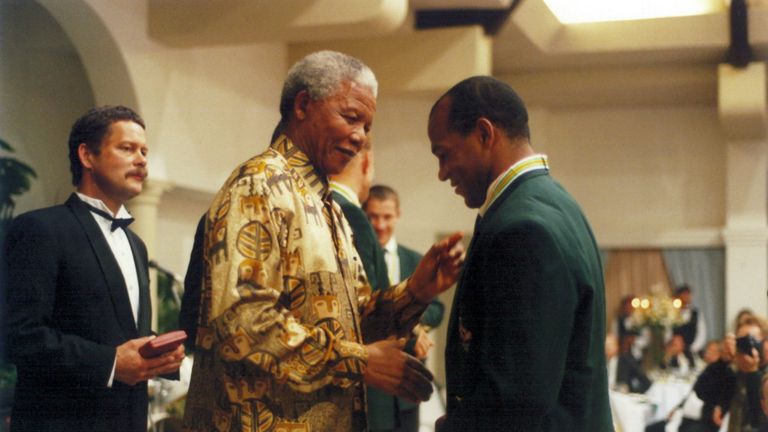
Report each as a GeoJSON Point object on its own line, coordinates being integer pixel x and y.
{"type": "Point", "coordinates": [286, 306]}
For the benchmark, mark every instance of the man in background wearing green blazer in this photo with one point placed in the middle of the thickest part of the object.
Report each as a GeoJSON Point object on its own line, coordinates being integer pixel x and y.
{"type": "Point", "coordinates": [383, 210]}
{"type": "Point", "coordinates": [348, 189]}
{"type": "Point", "coordinates": [525, 348]}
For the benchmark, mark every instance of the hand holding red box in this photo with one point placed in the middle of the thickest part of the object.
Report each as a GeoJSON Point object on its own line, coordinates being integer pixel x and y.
{"type": "Point", "coordinates": [163, 343]}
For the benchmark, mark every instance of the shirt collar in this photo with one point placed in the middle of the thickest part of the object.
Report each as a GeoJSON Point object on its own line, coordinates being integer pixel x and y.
{"type": "Point", "coordinates": [345, 191]}
{"type": "Point", "coordinates": [122, 212]}
{"type": "Point", "coordinates": [391, 245]}
{"type": "Point", "coordinates": [531, 163]}
{"type": "Point", "coordinates": [299, 161]}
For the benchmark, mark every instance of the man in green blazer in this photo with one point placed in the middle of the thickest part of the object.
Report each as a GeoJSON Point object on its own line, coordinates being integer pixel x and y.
{"type": "Point", "coordinates": [348, 189]}
{"type": "Point", "coordinates": [383, 210]}
{"type": "Point", "coordinates": [527, 327]}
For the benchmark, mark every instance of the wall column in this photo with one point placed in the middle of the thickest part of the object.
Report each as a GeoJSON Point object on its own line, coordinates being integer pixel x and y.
{"type": "Point", "coordinates": [144, 209]}
{"type": "Point", "coordinates": [742, 108]}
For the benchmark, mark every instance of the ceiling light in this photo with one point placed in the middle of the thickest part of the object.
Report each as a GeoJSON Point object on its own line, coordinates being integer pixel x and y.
{"type": "Point", "coordinates": [581, 11]}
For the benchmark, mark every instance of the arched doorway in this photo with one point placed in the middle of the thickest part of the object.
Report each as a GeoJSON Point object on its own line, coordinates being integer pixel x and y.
{"type": "Point", "coordinates": [43, 88]}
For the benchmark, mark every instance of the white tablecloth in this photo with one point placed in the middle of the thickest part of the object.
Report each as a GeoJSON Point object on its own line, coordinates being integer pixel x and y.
{"type": "Point", "coordinates": [633, 412]}
{"type": "Point", "coordinates": [667, 395]}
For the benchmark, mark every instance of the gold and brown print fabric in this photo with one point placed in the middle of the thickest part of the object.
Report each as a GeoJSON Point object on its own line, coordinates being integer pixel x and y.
{"type": "Point", "coordinates": [286, 306]}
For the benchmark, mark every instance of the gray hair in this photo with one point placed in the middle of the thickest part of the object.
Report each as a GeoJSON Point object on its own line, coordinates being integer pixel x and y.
{"type": "Point", "coordinates": [320, 74]}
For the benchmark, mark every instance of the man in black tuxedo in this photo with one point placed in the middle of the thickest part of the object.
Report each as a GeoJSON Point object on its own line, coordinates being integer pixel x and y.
{"type": "Point", "coordinates": [78, 306]}
{"type": "Point", "coordinates": [693, 328]}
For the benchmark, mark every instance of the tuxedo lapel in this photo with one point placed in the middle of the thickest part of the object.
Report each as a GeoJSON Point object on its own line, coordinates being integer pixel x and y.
{"type": "Point", "coordinates": [145, 307]}
{"type": "Point", "coordinates": [108, 265]}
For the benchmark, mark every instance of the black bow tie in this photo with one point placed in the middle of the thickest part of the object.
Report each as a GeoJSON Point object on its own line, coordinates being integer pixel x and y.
{"type": "Point", "coordinates": [116, 223]}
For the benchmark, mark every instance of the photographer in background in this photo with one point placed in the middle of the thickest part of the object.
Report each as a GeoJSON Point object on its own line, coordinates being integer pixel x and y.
{"type": "Point", "coordinates": [732, 384]}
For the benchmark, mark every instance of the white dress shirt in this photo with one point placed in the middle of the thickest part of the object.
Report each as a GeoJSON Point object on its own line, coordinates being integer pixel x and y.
{"type": "Point", "coordinates": [121, 249]}
{"type": "Point", "coordinates": [393, 261]}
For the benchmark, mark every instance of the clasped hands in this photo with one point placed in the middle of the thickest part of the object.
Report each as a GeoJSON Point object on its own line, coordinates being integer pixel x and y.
{"type": "Point", "coordinates": [391, 369]}
{"type": "Point", "coordinates": [131, 368]}
{"type": "Point", "coordinates": [396, 372]}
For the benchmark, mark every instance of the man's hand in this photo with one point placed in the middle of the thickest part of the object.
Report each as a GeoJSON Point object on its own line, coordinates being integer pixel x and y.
{"type": "Point", "coordinates": [393, 371]}
{"type": "Point", "coordinates": [729, 347]}
{"type": "Point", "coordinates": [717, 415]}
{"type": "Point", "coordinates": [747, 363]}
{"type": "Point", "coordinates": [423, 344]}
{"type": "Point", "coordinates": [439, 269]}
{"type": "Point", "coordinates": [131, 368]}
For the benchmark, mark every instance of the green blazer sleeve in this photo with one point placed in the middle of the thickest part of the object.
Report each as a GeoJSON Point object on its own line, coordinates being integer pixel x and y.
{"type": "Point", "coordinates": [409, 259]}
{"type": "Point", "coordinates": [366, 243]}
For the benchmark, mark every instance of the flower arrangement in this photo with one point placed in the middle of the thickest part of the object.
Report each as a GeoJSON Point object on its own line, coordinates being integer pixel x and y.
{"type": "Point", "coordinates": [659, 309]}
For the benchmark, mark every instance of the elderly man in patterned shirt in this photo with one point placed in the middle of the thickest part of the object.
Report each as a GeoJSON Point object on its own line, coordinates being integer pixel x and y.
{"type": "Point", "coordinates": [289, 331]}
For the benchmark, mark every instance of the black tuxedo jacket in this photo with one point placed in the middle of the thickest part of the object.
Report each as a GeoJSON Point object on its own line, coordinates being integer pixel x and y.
{"type": "Point", "coordinates": [67, 311]}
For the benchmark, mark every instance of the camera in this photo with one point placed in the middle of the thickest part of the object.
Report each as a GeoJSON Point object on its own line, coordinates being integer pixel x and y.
{"type": "Point", "coordinates": [745, 344]}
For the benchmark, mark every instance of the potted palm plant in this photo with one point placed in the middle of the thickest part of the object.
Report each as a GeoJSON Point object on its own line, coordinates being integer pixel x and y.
{"type": "Point", "coordinates": [15, 179]}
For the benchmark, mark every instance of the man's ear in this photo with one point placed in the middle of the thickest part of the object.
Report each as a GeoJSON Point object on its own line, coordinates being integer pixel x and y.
{"type": "Point", "coordinates": [84, 153]}
{"type": "Point", "coordinates": [366, 162]}
{"type": "Point", "coordinates": [300, 104]}
{"type": "Point", "coordinates": [486, 130]}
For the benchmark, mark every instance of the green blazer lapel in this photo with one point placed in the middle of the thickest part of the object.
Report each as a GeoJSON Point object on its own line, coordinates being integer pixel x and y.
{"type": "Point", "coordinates": [409, 259]}
{"type": "Point", "coordinates": [109, 267]}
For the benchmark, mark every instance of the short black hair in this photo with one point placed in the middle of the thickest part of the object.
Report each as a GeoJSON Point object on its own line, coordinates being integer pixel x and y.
{"type": "Point", "coordinates": [684, 288]}
{"type": "Point", "coordinates": [488, 97]}
{"type": "Point", "coordinates": [91, 129]}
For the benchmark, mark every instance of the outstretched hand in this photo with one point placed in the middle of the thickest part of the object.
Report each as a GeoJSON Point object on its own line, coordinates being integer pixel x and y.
{"type": "Point", "coordinates": [393, 371]}
{"type": "Point", "coordinates": [131, 368]}
{"type": "Point", "coordinates": [439, 269]}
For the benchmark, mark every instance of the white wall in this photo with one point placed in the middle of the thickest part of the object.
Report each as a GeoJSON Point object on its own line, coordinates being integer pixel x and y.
{"type": "Point", "coordinates": [640, 174]}
{"type": "Point", "coordinates": [43, 89]}
{"type": "Point", "coordinates": [179, 212]}
{"type": "Point", "coordinates": [219, 107]}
